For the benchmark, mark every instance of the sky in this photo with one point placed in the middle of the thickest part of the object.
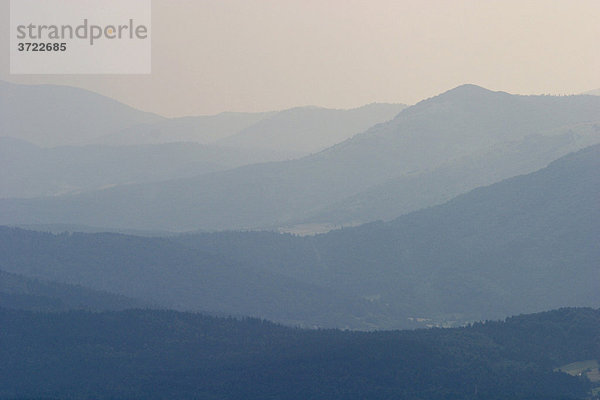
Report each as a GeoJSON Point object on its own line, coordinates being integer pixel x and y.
{"type": "Point", "coordinates": [210, 56]}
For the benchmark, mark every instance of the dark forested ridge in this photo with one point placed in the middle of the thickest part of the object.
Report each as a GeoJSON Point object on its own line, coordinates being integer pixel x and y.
{"type": "Point", "coordinates": [165, 354]}
{"type": "Point", "coordinates": [22, 293]}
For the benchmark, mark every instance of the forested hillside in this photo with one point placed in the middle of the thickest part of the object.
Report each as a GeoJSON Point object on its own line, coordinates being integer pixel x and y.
{"type": "Point", "coordinates": [526, 244]}
{"type": "Point", "coordinates": [22, 293]}
{"type": "Point", "coordinates": [159, 271]}
{"type": "Point", "coordinates": [164, 354]}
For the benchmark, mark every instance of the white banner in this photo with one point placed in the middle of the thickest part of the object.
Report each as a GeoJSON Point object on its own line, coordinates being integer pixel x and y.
{"type": "Point", "coordinates": [80, 36]}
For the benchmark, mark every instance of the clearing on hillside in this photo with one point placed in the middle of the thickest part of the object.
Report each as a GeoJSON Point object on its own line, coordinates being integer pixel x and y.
{"type": "Point", "coordinates": [588, 368]}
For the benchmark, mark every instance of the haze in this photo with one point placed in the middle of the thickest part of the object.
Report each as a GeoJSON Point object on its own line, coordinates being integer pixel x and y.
{"type": "Point", "coordinates": [386, 167]}
{"type": "Point", "coordinates": [214, 56]}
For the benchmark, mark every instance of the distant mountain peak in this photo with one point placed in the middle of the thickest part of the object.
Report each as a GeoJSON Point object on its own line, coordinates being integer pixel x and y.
{"type": "Point", "coordinates": [465, 90]}
{"type": "Point", "coordinates": [464, 93]}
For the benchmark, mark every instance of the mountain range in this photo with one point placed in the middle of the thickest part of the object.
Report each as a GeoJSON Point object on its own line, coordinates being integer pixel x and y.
{"type": "Point", "coordinates": [443, 139]}
{"type": "Point", "coordinates": [73, 140]}
{"type": "Point", "coordinates": [28, 171]}
{"type": "Point", "coordinates": [310, 129]}
{"type": "Point", "coordinates": [163, 273]}
{"type": "Point", "coordinates": [443, 250]}
{"type": "Point", "coordinates": [521, 245]}
{"type": "Point", "coordinates": [300, 130]}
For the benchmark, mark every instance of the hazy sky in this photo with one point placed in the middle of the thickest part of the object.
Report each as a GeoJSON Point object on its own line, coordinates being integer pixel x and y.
{"type": "Point", "coordinates": [243, 55]}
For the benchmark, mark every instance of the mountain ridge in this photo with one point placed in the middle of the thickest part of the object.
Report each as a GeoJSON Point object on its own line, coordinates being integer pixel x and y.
{"type": "Point", "coordinates": [23, 293]}
{"type": "Point", "coordinates": [50, 115]}
{"type": "Point", "coordinates": [311, 129]}
{"type": "Point", "coordinates": [164, 354]}
{"type": "Point", "coordinates": [420, 138]}
{"type": "Point", "coordinates": [521, 245]}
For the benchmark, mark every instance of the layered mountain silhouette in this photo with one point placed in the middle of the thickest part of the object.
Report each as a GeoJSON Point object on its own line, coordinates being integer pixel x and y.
{"type": "Point", "coordinates": [298, 131]}
{"type": "Point", "coordinates": [311, 129]}
{"type": "Point", "coordinates": [203, 129]}
{"type": "Point", "coordinates": [27, 170]}
{"type": "Point", "coordinates": [522, 245]}
{"type": "Point", "coordinates": [51, 115]}
{"type": "Point", "coordinates": [160, 272]}
{"type": "Point", "coordinates": [525, 244]}
{"type": "Point", "coordinates": [423, 189]}
{"type": "Point", "coordinates": [451, 132]}
{"type": "Point", "coordinates": [73, 140]}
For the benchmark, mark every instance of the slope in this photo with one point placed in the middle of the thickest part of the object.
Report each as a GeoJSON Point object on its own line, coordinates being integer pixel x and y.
{"type": "Point", "coordinates": [299, 131]}
{"type": "Point", "coordinates": [22, 293]}
{"type": "Point", "coordinates": [525, 244]}
{"type": "Point", "coordinates": [27, 170]}
{"type": "Point", "coordinates": [161, 354]}
{"type": "Point", "coordinates": [50, 115]}
{"type": "Point", "coordinates": [202, 129]}
{"type": "Point", "coordinates": [412, 192]}
{"type": "Point", "coordinates": [161, 272]}
{"type": "Point", "coordinates": [459, 123]}
{"type": "Point", "coordinates": [311, 129]}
